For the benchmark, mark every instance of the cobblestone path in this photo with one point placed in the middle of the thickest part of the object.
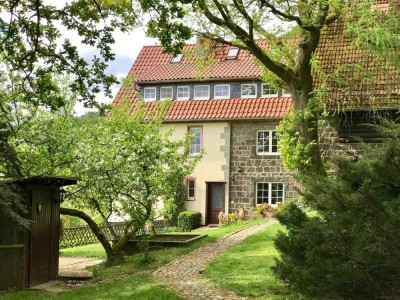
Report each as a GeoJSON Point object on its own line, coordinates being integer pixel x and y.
{"type": "Point", "coordinates": [184, 275]}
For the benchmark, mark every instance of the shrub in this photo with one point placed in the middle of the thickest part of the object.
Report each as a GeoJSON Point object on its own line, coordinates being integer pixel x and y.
{"type": "Point", "coordinates": [349, 248]}
{"type": "Point", "coordinates": [189, 220]}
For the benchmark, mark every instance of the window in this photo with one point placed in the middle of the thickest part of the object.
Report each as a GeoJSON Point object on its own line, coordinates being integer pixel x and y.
{"type": "Point", "coordinates": [268, 91]}
{"type": "Point", "coordinates": [270, 193]}
{"type": "Point", "coordinates": [195, 144]}
{"type": "Point", "coordinates": [177, 59]}
{"type": "Point", "coordinates": [286, 93]}
{"type": "Point", "coordinates": [267, 142]}
{"type": "Point", "coordinates": [149, 94]}
{"type": "Point", "coordinates": [201, 92]}
{"type": "Point", "coordinates": [166, 92]}
{"type": "Point", "coordinates": [183, 92]}
{"type": "Point", "coordinates": [232, 53]}
{"type": "Point", "coordinates": [222, 91]}
{"type": "Point", "coordinates": [190, 189]}
{"type": "Point", "coordinates": [249, 90]}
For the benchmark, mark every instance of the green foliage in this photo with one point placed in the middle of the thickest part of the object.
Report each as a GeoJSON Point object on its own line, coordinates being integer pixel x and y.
{"type": "Point", "coordinates": [376, 30]}
{"type": "Point", "coordinates": [189, 220]}
{"type": "Point", "coordinates": [350, 249]}
{"type": "Point", "coordinates": [12, 207]}
{"type": "Point", "coordinates": [294, 149]}
{"type": "Point", "coordinates": [32, 46]}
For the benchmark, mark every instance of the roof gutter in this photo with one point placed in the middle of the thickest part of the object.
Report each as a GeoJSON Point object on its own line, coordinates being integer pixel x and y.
{"type": "Point", "coordinates": [215, 79]}
{"type": "Point", "coordinates": [269, 119]}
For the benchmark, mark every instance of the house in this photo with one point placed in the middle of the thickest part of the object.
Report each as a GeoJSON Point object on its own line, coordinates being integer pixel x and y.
{"type": "Point", "coordinates": [233, 115]}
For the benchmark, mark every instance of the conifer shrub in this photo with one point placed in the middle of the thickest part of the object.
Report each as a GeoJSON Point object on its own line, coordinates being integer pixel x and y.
{"type": "Point", "coordinates": [189, 220]}
{"type": "Point", "coordinates": [350, 248]}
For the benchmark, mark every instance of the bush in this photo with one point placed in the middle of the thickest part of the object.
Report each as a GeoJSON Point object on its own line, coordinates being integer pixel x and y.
{"type": "Point", "coordinates": [350, 248]}
{"type": "Point", "coordinates": [189, 220]}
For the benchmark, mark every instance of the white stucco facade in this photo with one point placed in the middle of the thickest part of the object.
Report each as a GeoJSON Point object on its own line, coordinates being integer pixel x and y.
{"type": "Point", "coordinates": [214, 165]}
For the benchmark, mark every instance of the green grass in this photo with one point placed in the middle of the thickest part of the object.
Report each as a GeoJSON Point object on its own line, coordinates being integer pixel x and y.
{"type": "Point", "coordinates": [246, 268]}
{"type": "Point", "coordinates": [129, 278]}
{"type": "Point", "coordinates": [141, 286]}
{"type": "Point", "coordinates": [93, 250]}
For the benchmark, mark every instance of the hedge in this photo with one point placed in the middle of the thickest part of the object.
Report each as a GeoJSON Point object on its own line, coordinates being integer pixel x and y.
{"type": "Point", "coordinates": [189, 220]}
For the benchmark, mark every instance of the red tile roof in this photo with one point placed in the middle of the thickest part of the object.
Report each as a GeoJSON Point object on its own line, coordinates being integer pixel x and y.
{"type": "Point", "coordinates": [154, 65]}
{"type": "Point", "coordinates": [356, 78]}
{"type": "Point", "coordinates": [225, 109]}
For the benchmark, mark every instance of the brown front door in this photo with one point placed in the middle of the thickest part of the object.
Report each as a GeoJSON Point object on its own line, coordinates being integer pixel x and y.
{"type": "Point", "coordinates": [215, 201]}
{"type": "Point", "coordinates": [41, 238]}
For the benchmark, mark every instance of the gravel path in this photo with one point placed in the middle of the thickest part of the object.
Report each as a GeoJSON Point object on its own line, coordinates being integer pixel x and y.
{"type": "Point", "coordinates": [184, 275]}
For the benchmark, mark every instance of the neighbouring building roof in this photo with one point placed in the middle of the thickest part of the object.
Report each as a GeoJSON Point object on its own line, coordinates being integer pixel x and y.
{"type": "Point", "coordinates": [355, 78]}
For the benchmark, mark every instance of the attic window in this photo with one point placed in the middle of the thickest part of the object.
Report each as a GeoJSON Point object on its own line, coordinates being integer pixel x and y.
{"type": "Point", "coordinates": [177, 59]}
{"type": "Point", "coordinates": [232, 53]}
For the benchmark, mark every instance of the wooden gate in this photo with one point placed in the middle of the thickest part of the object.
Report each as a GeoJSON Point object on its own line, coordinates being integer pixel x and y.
{"type": "Point", "coordinates": [43, 260]}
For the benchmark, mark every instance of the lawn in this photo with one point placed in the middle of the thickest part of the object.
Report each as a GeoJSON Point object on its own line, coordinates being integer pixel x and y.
{"type": "Point", "coordinates": [131, 278]}
{"type": "Point", "coordinates": [246, 268]}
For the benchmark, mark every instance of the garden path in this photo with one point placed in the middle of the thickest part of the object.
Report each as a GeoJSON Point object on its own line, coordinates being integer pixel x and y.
{"type": "Point", "coordinates": [185, 276]}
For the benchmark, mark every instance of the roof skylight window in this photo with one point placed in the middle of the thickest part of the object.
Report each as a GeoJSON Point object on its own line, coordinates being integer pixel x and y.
{"type": "Point", "coordinates": [177, 59]}
{"type": "Point", "coordinates": [232, 53]}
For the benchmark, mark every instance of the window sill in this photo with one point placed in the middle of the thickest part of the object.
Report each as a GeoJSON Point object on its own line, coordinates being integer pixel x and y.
{"type": "Point", "coordinates": [269, 154]}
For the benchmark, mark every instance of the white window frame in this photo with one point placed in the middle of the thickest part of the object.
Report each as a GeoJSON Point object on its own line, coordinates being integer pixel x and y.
{"type": "Point", "coordinates": [197, 153]}
{"type": "Point", "coordinates": [177, 59]}
{"type": "Point", "coordinates": [248, 96]}
{"type": "Point", "coordinates": [270, 193]}
{"type": "Point", "coordinates": [188, 198]}
{"type": "Point", "coordinates": [222, 97]}
{"type": "Point", "coordinates": [285, 93]}
{"type": "Point", "coordinates": [269, 143]}
{"type": "Point", "coordinates": [177, 92]}
{"type": "Point", "coordinates": [235, 54]}
{"type": "Point", "coordinates": [167, 87]}
{"type": "Point", "coordinates": [152, 98]}
{"type": "Point", "coordinates": [268, 95]}
{"type": "Point", "coordinates": [201, 97]}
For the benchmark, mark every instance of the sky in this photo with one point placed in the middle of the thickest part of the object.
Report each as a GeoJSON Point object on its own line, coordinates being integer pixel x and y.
{"type": "Point", "coordinates": [126, 48]}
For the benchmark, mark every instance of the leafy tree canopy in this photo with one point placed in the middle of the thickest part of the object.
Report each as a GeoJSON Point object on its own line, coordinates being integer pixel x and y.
{"type": "Point", "coordinates": [33, 45]}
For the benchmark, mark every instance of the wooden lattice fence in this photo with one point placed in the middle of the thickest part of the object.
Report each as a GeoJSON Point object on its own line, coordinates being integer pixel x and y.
{"type": "Point", "coordinates": [83, 235]}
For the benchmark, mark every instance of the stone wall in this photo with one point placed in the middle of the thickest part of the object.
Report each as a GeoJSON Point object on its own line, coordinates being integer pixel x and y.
{"type": "Point", "coordinates": [247, 168]}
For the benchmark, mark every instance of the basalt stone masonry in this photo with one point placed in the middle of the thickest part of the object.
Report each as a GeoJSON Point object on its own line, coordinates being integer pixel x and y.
{"type": "Point", "coordinates": [247, 168]}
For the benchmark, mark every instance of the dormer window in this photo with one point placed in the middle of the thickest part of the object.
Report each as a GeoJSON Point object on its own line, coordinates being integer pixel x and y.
{"type": "Point", "coordinates": [201, 92]}
{"type": "Point", "coordinates": [221, 91]}
{"type": "Point", "coordinates": [249, 90]}
{"type": "Point", "coordinates": [269, 91]}
{"type": "Point", "coordinates": [149, 94]}
{"type": "Point", "coordinates": [286, 93]}
{"type": "Point", "coordinates": [177, 59]}
{"type": "Point", "coordinates": [166, 92]}
{"type": "Point", "coordinates": [183, 92]}
{"type": "Point", "coordinates": [232, 53]}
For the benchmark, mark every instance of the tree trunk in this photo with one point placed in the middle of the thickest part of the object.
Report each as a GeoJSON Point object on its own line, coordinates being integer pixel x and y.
{"type": "Point", "coordinates": [111, 255]}
{"type": "Point", "coordinates": [308, 128]}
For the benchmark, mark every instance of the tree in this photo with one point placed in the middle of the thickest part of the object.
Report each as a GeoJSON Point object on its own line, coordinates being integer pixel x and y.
{"type": "Point", "coordinates": [350, 248]}
{"type": "Point", "coordinates": [291, 29]}
{"type": "Point", "coordinates": [127, 164]}
{"type": "Point", "coordinates": [32, 46]}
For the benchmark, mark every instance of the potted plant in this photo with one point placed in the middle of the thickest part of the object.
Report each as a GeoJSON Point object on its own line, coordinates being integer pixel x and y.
{"type": "Point", "coordinates": [241, 215]}
{"type": "Point", "coordinates": [262, 210]}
